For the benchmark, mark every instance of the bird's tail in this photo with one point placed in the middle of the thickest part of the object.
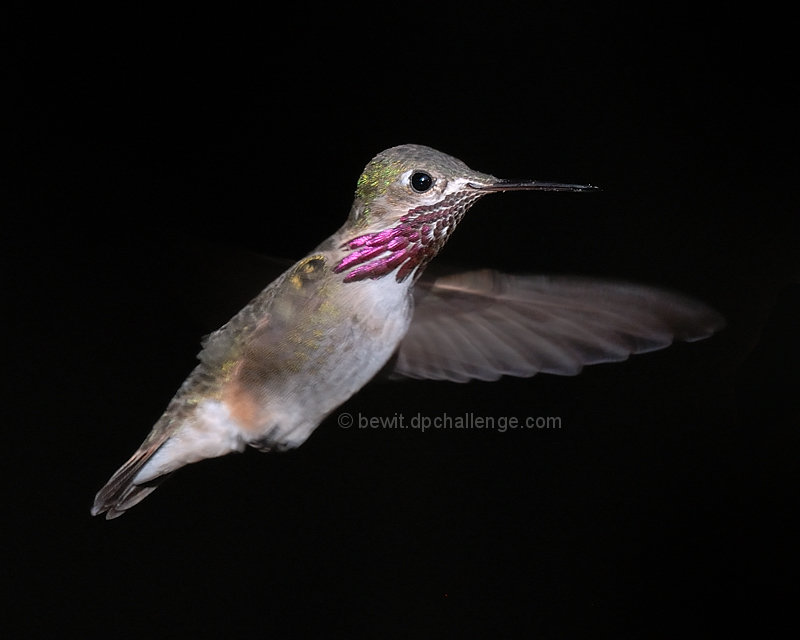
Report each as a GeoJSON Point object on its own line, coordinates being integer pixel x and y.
{"type": "Point", "coordinates": [121, 492]}
{"type": "Point", "coordinates": [185, 434]}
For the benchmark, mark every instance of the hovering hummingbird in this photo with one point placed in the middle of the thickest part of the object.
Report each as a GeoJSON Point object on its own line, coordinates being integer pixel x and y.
{"type": "Point", "coordinates": [357, 305]}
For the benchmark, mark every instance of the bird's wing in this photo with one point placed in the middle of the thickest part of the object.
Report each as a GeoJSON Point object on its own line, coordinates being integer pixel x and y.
{"type": "Point", "coordinates": [485, 324]}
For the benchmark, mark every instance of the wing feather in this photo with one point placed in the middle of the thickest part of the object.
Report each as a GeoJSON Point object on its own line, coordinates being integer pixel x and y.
{"type": "Point", "coordinates": [485, 324]}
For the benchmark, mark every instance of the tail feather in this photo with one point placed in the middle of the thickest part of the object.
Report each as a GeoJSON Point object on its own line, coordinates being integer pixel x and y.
{"type": "Point", "coordinates": [179, 438]}
{"type": "Point", "coordinates": [121, 492]}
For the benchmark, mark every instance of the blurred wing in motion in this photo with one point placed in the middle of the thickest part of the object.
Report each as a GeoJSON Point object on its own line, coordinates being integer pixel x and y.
{"type": "Point", "coordinates": [486, 324]}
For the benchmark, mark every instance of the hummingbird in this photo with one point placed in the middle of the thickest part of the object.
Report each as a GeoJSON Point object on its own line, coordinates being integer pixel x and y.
{"type": "Point", "coordinates": [358, 305]}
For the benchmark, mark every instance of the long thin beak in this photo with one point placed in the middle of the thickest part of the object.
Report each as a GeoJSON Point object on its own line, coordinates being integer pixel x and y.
{"type": "Point", "coordinates": [531, 185]}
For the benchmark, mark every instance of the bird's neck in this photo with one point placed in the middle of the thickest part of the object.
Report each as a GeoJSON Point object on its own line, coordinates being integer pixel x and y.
{"type": "Point", "coordinates": [405, 248]}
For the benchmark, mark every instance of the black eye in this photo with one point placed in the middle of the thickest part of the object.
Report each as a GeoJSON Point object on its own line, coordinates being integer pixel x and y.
{"type": "Point", "coordinates": [421, 181]}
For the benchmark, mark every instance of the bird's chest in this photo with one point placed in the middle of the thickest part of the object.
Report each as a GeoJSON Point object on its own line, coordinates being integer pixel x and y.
{"type": "Point", "coordinates": [318, 342]}
{"type": "Point", "coordinates": [375, 316]}
{"type": "Point", "coordinates": [344, 341]}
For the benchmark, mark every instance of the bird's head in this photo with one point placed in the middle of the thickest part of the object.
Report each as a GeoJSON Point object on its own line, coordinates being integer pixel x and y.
{"type": "Point", "coordinates": [408, 201]}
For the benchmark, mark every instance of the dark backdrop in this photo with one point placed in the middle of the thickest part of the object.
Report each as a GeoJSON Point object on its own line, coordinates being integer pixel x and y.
{"type": "Point", "coordinates": [158, 154]}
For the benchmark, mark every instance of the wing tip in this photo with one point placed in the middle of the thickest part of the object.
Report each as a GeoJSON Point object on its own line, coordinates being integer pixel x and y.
{"type": "Point", "coordinates": [703, 325]}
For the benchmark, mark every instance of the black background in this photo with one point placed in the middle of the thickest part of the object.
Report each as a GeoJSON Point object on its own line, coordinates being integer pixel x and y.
{"type": "Point", "coordinates": [158, 154]}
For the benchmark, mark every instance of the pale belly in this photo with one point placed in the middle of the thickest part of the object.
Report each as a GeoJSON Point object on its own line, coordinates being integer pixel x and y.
{"type": "Point", "coordinates": [319, 344]}
{"type": "Point", "coordinates": [358, 346]}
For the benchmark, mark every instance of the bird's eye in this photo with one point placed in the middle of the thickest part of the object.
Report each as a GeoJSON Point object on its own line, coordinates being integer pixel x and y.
{"type": "Point", "coordinates": [421, 181]}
